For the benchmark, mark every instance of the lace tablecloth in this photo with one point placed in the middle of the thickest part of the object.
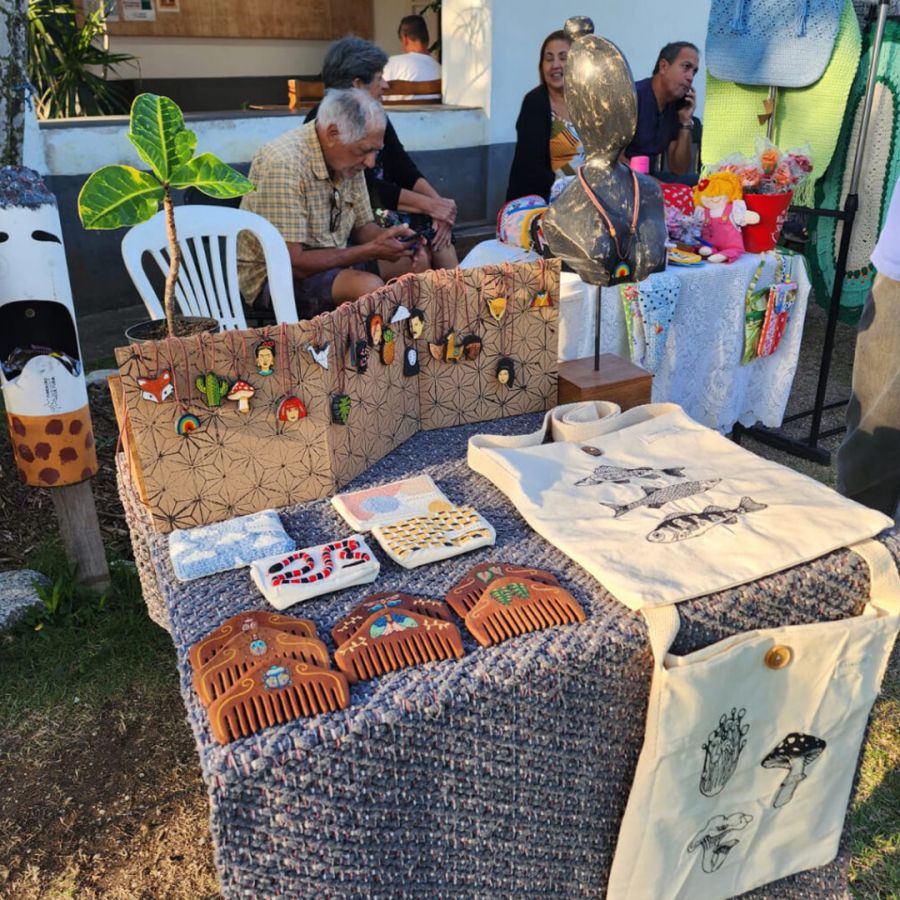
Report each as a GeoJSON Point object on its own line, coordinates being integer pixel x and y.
{"type": "Point", "coordinates": [701, 365]}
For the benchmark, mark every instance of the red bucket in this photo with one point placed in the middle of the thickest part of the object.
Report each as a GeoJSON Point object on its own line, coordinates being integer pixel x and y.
{"type": "Point", "coordinates": [772, 209]}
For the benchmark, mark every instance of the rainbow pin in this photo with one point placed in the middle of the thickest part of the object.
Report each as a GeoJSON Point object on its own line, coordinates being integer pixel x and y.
{"type": "Point", "coordinates": [187, 423]}
{"type": "Point", "coordinates": [622, 270]}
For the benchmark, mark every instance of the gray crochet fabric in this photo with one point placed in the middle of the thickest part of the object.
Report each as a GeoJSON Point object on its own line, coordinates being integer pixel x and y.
{"type": "Point", "coordinates": [503, 774]}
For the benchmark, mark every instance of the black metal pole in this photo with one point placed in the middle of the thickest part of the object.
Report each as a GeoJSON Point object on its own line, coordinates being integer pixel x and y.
{"type": "Point", "coordinates": [597, 332]}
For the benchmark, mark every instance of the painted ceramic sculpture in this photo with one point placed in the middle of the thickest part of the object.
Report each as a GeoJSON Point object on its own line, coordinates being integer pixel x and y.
{"type": "Point", "coordinates": [608, 225]}
{"type": "Point", "coordinates": [724, 213]}
{"type": "Point", "coordinates": [41, 367]}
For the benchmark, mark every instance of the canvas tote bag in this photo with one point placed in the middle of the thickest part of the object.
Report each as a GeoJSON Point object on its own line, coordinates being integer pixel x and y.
{"type": "Point", "coordinates": [750, 749]}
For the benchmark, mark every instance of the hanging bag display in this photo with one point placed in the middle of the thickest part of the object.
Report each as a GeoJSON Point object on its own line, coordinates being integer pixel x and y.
{"type": "Point", "coordinates": [770, 42]}
{"type": "Point", "coordinates": [750, 749]}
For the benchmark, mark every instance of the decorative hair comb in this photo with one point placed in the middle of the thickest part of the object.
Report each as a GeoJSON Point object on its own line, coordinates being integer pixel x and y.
{"type": "Point", "coordinates": [304, 574]}
{"type": "Point", "coordinates": [206, 648]}
{"type": "Point", "coordinates": [468, 590]}
{"type": "Point", "coordinates": [386, 600]}
{"type": "Point", "coordinates": [246, 649]}
{"type": "Point", "coordinates": [395, 638]}
{"type": "Point", "coordinates": [440, 535]}
{"type": "Point", "coordinates": [270, 694]}
{"type": "Point", "coordinates": [512, 606]}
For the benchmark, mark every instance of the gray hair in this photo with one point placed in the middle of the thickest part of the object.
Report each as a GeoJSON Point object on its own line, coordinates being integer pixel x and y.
{"type": "Point", "coordinates": [355, 112]}
{"type": "Point", "coordinates": [352, 57]}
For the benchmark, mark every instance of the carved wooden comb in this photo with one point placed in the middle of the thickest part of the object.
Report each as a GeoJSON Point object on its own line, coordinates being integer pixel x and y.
{"type": "Point", "coordinates": [347, 626]}
{"type": "Point", "coordinates": [206, 648]}
{"type": "Point", "coordinates": [246, 649]}
{"type": "Point", "coordinates": [394, 639]}
{"type": "Point", "coordinates": [512, 606]}
{"type": "Point", "coordinates": [463, 596]}
{"type": "Point", "coordinates": [269, 694]}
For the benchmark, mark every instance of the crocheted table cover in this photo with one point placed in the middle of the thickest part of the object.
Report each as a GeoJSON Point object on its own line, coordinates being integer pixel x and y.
{"type": "Point", "coordinates": [505, 773]}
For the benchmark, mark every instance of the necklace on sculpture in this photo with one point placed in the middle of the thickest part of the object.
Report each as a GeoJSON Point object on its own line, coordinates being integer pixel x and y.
{"type": "Point", "coordinates": [622, 269]}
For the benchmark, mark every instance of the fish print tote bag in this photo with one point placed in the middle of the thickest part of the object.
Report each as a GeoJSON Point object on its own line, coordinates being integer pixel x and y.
{"type": "Point", "coordinates": [750, 749]}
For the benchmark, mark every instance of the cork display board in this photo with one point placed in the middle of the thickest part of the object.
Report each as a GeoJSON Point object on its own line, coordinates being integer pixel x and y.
{"type": "Point", "coordinates": [312, 20]}
{"type": "Point", "coordinates": [200, 463]}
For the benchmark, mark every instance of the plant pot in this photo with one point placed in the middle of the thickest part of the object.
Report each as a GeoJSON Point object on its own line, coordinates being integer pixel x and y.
{"type": "Point", "coordinates": [772, 209]}
{"type": "Point", "coordinates": [157, 330]}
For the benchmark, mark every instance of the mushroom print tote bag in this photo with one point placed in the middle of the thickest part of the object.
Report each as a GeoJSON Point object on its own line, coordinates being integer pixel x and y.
{"type": "Point", "coordinates": [750, 749]}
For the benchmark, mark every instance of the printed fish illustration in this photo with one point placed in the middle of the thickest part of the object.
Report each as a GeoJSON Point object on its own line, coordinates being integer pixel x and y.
{"type": "Point", "coordinates": [658, 497]}
{"type": "Point", "coordinates": [621, 475]}
{"type": "Point", "coordinates": [681, 526]}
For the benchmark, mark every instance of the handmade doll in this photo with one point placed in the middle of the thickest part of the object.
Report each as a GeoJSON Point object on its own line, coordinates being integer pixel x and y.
{"type": "Point", "coordinates": [721, 199]}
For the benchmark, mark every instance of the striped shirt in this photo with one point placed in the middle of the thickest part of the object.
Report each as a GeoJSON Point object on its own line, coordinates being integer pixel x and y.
{"type": "Point", "coordinates": [296, 193]}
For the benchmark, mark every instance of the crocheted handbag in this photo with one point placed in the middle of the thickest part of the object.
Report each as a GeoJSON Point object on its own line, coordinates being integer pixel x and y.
{"type": "Point", "coordinates": [771, 42]}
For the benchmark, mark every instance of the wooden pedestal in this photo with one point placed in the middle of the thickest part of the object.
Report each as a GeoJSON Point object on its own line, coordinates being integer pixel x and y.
{"type": "Point", "coordinates": [617, 380]}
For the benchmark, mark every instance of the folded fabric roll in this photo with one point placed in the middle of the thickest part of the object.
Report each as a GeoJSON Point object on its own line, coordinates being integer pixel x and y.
{"type": "Point", "coordinates": [208, 549]}
{"type": "Point", "coordinates": [572, 421]}
{"type": "Point", "coordinates": [288, 579]}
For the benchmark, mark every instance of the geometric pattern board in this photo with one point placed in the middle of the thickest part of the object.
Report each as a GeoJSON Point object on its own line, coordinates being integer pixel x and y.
{"type": "Point", "coordinates": [202, 464]}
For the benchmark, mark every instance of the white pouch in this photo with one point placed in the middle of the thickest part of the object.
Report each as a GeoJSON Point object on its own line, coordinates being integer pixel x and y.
{"type": "Point", "coordinates": [365, 509]}
{"type": "Point", "coordinates": [286, 579]}
{"type": "Point", "coordinates": [750, 749]}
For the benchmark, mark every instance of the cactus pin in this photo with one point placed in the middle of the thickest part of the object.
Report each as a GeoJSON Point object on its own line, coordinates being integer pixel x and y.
{"type": "Point", "coordinates": [213, 388]}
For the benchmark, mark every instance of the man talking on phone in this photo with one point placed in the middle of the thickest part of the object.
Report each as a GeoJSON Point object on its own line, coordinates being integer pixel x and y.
{"type": "Point", "coordinates": [666, 103]}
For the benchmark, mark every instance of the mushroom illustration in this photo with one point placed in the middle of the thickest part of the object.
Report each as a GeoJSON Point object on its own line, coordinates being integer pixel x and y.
{"type": "Point", "coordinates": [241, 392]}
{"type": "Point", "coordinates": [711, 839]}
{"type": "Point", "coordinates": [796, 753]}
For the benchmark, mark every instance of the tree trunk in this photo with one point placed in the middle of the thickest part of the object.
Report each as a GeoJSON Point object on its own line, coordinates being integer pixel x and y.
{"type": "Point", "coordinates": [14, 85]}
{"type": "Point", "coordinates": [174, 262]}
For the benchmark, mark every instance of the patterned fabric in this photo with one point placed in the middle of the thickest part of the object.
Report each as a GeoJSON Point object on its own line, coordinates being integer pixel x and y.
{"type": "Point", "coordinates": [679, 197]}
{"type": "Point", "coordinates": [515, 219]}
{"type": "Point", "coordinates": [880, 171]}
{"type": "Point", "coordinates": [295, 192]}
{"type": "Point", "coordinates": [811, 115]}
{"type": "Point", "coordinates": [649, 310]}
{"type": "Point", "coordinates": [443, 766]}
{"type": "Point", "coordinates": [566, 154]}
{"type": "Point", "coordinates": [766, 42]}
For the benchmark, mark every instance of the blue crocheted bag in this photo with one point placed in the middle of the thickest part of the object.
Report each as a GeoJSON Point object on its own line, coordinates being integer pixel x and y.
{"type": "Point", "coordinates": [786, 43]}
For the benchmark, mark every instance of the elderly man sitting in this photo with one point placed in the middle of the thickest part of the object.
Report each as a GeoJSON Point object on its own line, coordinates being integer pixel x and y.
{"type": "Point", "coordinates": [310, 186]}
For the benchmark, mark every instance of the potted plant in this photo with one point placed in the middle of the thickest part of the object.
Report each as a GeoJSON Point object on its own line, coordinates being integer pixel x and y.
{"type": "Point", "coordinates": [115, 196]}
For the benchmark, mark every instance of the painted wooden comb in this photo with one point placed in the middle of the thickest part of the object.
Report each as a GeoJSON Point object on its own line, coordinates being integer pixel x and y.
{"type": "Point", "coordinates": [388, 600]}
{"type": "Point", "coordinates": [511, 606]}
{"type": "Point", "coordinates": [463, 596]}
{"type": "Point", "coordinates": [206, 648]}
{"type": "Point", "coordinates": [270, 694]}
{"type": "Point", "coordinates": [246, 649]}
{"type": "Point", "coordinates": [394, 639]}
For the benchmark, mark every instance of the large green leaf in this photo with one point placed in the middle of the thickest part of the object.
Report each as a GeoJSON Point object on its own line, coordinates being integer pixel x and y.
{"type": "Point", "coordinates": [158, 133]}
{"type": "Point", "coordinates": [118, 195]}
{"type": "Point", "coordinates": [209, 174]}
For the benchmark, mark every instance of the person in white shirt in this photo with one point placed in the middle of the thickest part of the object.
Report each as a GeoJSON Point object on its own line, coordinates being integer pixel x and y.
{"type": "Point", "coordinates": [415, 63]}
{"type": "Point", "coordinates": [868, 461]}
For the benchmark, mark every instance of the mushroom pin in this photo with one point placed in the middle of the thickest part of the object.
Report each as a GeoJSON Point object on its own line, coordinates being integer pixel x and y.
{"type": "Point", "coordinates": [795, 753]}
{"type": "Point", "coordinates": [242, 392]}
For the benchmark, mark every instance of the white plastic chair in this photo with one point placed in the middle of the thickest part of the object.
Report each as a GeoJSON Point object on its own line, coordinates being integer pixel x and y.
{"type": "Point", "coordinates": [207, 279]}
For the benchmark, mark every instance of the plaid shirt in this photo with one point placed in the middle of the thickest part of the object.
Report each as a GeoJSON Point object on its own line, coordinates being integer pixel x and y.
{"type": "Point", "coordinates": [297, 195]}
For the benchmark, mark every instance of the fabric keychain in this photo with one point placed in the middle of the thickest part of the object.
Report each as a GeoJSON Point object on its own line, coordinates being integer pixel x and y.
{"type": "Point", "coordinates": [750, 749]}
{"type": "Point", "coordinates": [755, 305]}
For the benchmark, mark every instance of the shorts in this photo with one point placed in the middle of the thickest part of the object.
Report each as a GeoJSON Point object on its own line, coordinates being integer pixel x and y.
{"type": "Point", "coordinates": [313, 294]}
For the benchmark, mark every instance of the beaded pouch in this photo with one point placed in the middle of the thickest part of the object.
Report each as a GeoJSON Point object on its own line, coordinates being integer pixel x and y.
{"type": "Point", "coordinates": [386, 600]}
{"type": "Point", "coordinates": [304, 574]}
{"type": "Point", "coordinates": [463, 596]}
{"type": "Point", "coordinates": [273, 693]}
{"type": "Point", "coordinates": [395, 638]}
{"type": "Point", "coordinates": [426, 539]}
{"type": "Point", "coordinates": [206, 648]}
{"type": "Point", "coordinates": [511, 606]}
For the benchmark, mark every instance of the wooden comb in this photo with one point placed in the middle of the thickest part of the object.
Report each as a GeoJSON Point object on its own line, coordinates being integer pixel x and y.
{"type": "Point", "coordinates": [246, 649]}
{"type": "Point", "coordinates": [347, 626]}
{"type": "Point", "coordinates": [206, 648]}
{"type": "Point", "coordinates": [390, 640]}
{"type": "Point", "coordinates": [270, 694]}
{"type": "Point", "coordinates": [512, 606]}
{"type": "Point", "coordinates": [463, 596]}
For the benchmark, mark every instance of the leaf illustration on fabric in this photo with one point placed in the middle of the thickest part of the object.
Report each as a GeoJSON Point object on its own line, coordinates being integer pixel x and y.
{"type": "Point", "coordinates": [658, 497]}
{"type": "Point", "coordinates": [722, 750]}
{"type": "Point", "coordinates": [682, 526]}
{"type": "Point", "coordinates": [796, 753]}
{"type": "Point", "coordinates": [715, 841]}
